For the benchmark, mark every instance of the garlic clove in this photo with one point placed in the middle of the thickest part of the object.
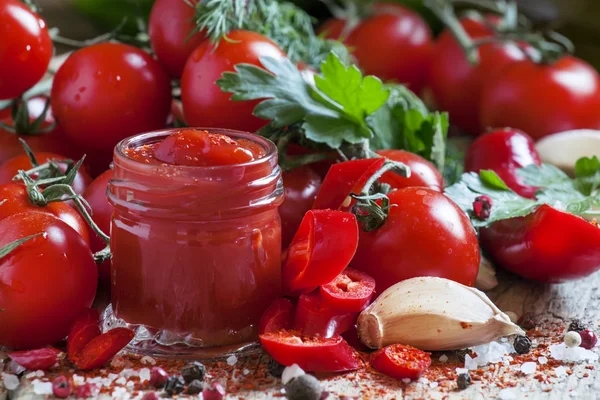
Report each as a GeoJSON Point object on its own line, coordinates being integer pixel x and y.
{"type": "Point", "coordinates": [565, 148]}
{"type": "Point", "coordinates": [433, 314]}
{"type": "Point", "coordinates": [486, 277]}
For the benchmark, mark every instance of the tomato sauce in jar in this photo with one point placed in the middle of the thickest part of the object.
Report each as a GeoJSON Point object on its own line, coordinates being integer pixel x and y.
{"type": "Point", "coordinates": [195, 237]}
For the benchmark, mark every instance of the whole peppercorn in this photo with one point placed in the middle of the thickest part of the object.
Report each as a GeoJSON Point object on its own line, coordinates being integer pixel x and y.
{"type": "Point", "coordinates": [522, 344]}
{"type": "Point", "coordinates": [195, 387]}
{"type": "Point", "coordinates": [588, 339]}
{"type": "Point", "coordinates": [150, 396]}
{"type": "Point", "coordinates": [158, 377]}
{"type": "Point", "coordinates": [215, 392]}
{"type": "Point", "coordinates": [61, 387]}
{"type": "Point", "coordinates": [275, 369]}
{"type": "Point", "coordinates": [572, 339]}
{"type": "Point", "coordinates": [463, 381]}
{"type": "Point", "coordinates": [175, 385]}
{"type": "Point", "coordinates": [576, 326]}
{"type": "Point", "coordinates": [193, 371]}
{"type": "Point", "coordinates": [482, 207]}
{"type": "Point", "coordinates": [303, 387]}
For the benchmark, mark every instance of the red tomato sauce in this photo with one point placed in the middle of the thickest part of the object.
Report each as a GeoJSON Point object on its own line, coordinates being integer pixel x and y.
{"type": "Point", "coordinates": [196, 236]}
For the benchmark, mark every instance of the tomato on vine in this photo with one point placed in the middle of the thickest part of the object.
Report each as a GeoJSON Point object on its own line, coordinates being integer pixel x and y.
{"type": "Point", "coordinates": [422, 172]}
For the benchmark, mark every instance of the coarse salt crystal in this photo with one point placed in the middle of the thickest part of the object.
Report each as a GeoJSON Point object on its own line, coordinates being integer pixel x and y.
{"type": "Point", "coordinates": [443, 358]}
{"type": "Point", "coordinates": [433, 385]}
{"type": "Point", "coordinates": [30, 375]}
{"type": "Point", "coordinates": [470, 363]}
{"type": "Point", "coordinates": [128, 373]}
{"type": "Point", "coordinates": [148, 360]}
{"type": "Point", "coordinates": [406, 380]}
{"type": "Point", "coordinates": [528, 368]}
{"type": "Point", "coordinates": [144, 374]}
{"type": "Point", "coordinates": [112, 376]}
{"type": "Point", "coordinates": [563, 353]}
{"type": "Point", "coordinates": [78, 380]}
{"type": "Point", "coordinates": [460, 371]}
{"type": "Point", "coordinates": [246, 371]}
{"type": "Point", "coordinates": [11, 382]}
{"type": "Point", "coordinates": [542, 360]}
{"type": "Point", "coordinates": [291, 372]}
{"type": "Point", "coordinates": [560, 371]}
{"type": "Point", "coordinates": [41, 388]}
{"type": "Point", "coordinates": [507, 394]}
{"type": "Point", "coordinates": [121, 381]}
{"type": "Point", "coordinates": [120, 393]}
{"type": "Point", "coordinates": [39, 373]}
{"type": "Point", "coordinates": [424, 381]}
{"type": "Point", "coordinates": [232, 360]}
{"type": "Point", "coordinates": [130, 384]}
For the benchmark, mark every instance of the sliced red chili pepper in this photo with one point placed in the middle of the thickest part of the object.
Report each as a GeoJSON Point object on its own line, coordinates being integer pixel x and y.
{"type": "Point", "coordinates": [311, 354]}
{"type": "Point", "coordinates": [33, 360]}
{"type": "Point", "coordinates": [85, 328]}
{"type": "Point", "coordinates": [102, 348]}
{"type": "Point", "coordinates": [313, 318]}
{"type": "Point", "coordinates": [279, 315]}
{"type": "Point", "coordinates": [322, 247]}
{"type": "Point", "coordinates": [345, 178]}
{"type": "Point", "coordinates": [350, 291]}
{"type": "Point", "coordinates": [400, 361]}
{"type": "Point", "coordinates": [353, 340]}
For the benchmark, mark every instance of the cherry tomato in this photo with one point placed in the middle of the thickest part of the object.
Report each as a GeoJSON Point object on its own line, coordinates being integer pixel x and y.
{"type": "Point", "coordinates": [25, 50]}
{"type": "Point", "coordinates": [85, 328]}
{"type": "Point", "coordinates": [504, 151]}
{"type": "Point", "coordinates": [400, 362]}
{"type": "Point", "coordinates": [542, 99]}
{"type": "Point", "coordinates": [45, 283]}
{"type": "Point", "coordinates": [102, 210]}
{"type": "Point", "coordinates": [204, 104]}
{"type": "Point", "coordinates": [314, 318]}
{"type": "Point", "coordinates": [332, 28]}
{"type": "Point", "coordinates": [10, 168]}
{"type": "Point", "coordinates": [456, 84]}
{"type": "Point", "coordinates": [301, 188]}
{"type": "Point", "coordinates": [427, 234]}
{"type": "Point", "coordinates": [350, 291]}
{"type": "Point", "coordinates": [171, 28]}
{"type": "Point", "coordinates": [33, 360]}
{"type": "Point", "coordinates": [422, 172]}
{"type": "Point", "coordinates": [15, 200]}
{"type": "Point", "coordinates": [311, 354]}
{"type": "Point", "coordinates": [322, 247]}
{"type": "Point", "coordinates": [279, 315]}
{"type": "Point", "coordinates": [393, 46]}
{"type": "Point", "coordinates": [107, 92]}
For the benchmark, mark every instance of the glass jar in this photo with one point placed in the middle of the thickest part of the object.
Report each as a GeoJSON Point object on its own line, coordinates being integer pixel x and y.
{"type": "Point", "coordinates": [196, 250]}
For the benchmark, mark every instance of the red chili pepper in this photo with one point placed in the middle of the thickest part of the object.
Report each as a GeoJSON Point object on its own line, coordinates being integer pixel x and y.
{"type": "Point", "coordinates": [102, 348]}
{"type": "Point", "coordinates": [345, 178]}
{"type": "Point", "coordinates": [399, 361]}
{"type": "Point", "coordinates": [33, 360]}
{"type": "Point", "coordinates": [350, 291]}
{"type": "Point", "coordinates": [547, 245]}
{"type": "Point", "coordinates": [279, 315]}
{"type": "Point", "coordinates": [353, 340]}
{"type": "Point", "coordinates": [313, 318]}
{"type": "Point", "coordinates": [85, 328]}
{"type": "Point", "coordinates": [322, 247]}
{"type": "Point", "coordinates": [311, 353]}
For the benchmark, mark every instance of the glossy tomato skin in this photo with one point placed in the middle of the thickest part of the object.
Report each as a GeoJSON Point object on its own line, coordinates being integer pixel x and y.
{"type": "Point", "coordinates": [332, 28]}
{"type": "Point", "coordinates": [107, 92]}
{"type": "Point", "coordinates": [46, 282]}
{"type": "Point", "coordinates": [301, 186]}
{"type": "Point", "coordinates": [422, 172]}
{"type": "Point", "coordinates": [546, 246]}
{"type": "Point", "coordinates": [11, 167]}
{"type": "Point", "coordinates": [456, 84]}
{"type": "Point", "coordinates": [170, 29]}
{"type": "Point", "coordinates": [427, 234]}
{"type": "Point", "coordinates": [401, 362]}
{"type": "Point", "coordinates": [542, 99]}
{"type": "Point", "coordinates": [393, 46]}
{"type": "Point", "coordinates": [25, 48]}
{"type": "Point", "coordinates": [504, 151]}
{"type": "Point", "coordinates": [204, 104]}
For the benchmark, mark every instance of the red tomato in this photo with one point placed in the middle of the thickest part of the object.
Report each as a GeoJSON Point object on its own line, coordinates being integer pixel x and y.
{"type": "Point", "coordinates": [10, 168]}
{"type": "Point", "coordinates": [204, 104]}
{"type": "Point", "coordinates": [311, 354]}
{"type": "Point", "coordinates": [542, 99]}
{"type": "Point", "coordinates": [109, 91]}
{"type": "Point", "coordinates": [25, 50]}
{"type": "Point", "coordinates": [422, 172]}
{"type": "Point", "coordinates": [45, 283]}
{"type": "Point", "coordinates": [456, 84]}
{"type": "Point", "coordinates": [504, 151]}
{"type": "Point", "coordinates": [400, 362]}
{"type": "Point", "coordinates": [170, 28]}
{"type": "Point", "coordinates": [15, 200]}
{"type": "Point", "coordinates": [332, 28]}
{"type": "Point", "coordinates": [310, 260]}
{"type": "Point", "coordinates": [314, 318]}
{"type": "Point", "coordinates": [393, 46]}
{"type": "Point", "coordinates": [427, 234]}
{"type": "Point", "coordinates": [350, 291]}
{"type": "Point", "coordinates": [301, 188]}
{"type": "Point", "coordinates": [279, 315]}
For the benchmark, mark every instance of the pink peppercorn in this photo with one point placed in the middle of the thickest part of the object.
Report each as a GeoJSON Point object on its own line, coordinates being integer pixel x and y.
{"type": "Point", "coordinates": [61, 387]}
{"type": "Point", "coordinates": [158, 377]}
{"type": "Point", "coordinates": [86, 390]}
{"type": "Point", "coordinates": [150, 396]}
{"type": "Point", "coordinates": [482, 207]}
{"type": "Point", "coordinates": [216, 392]}
{"type": "Point", "coordinates": [588, 339]}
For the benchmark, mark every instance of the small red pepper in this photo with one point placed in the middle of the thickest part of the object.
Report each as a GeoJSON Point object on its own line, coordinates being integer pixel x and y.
{"type": "Point", "coordinates": [400, 362]}
{"type": "Point", "coordinates": [85, 328]}
{"type": "Point", "coordinates": [279, 315]}
{"type": "Point", "coordinates": [102, 348]}
{"type": "Point", "coordinates": [350, 291]}
{"type": "Point", "coordinates": [33, 360]}
{"type": "Point", "coordinates": [313, 318]}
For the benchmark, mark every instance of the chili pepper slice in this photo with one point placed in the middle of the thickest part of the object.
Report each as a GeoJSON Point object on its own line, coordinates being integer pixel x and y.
{"type": "Point", "coordinates": [400, 362]}
{"type": "Point", "coordinates": [33, 360]}
{"type": "Point", "coordinates": [314, 318]}
{"type": "Point", "coordinates": [343, 179]}
{"type": "Point", "coordinates": [102, 348]}
{"type": "Point", "coordinates": [85, 328]}
{"type": "Point", "coordinates": [350, 291]}
{"type": "Point", "coordinates": [279, 315]}
{"type": "Point", "coordinates": [322, 247]}
{"type": "Point", "coordinates": [315, 354]}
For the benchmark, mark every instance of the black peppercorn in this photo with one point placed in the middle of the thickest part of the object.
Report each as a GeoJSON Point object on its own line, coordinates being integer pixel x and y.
{"type": "Point", "coordinates": [195, 387]}
{"type": "Point", "coordinates": [522, 344]}
{"type": "Point", "coordinates": [275, 369]}
{"type": "Point", "coordinates": [463, 381]}
{"type": "Point", "coordinates": [303, 387]}
{"type": "Point", "coordinates": [175, 385]}
{"type": "Point", "coordinates": [576, 326]}
{"type": "Point", "coordinates": [193, 371]}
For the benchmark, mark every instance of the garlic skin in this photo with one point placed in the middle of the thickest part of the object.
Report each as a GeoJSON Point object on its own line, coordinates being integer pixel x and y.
{"type": "Point", "coordinates": [486, 277]}
{"type": "Point", "coordinates": [433, 314]}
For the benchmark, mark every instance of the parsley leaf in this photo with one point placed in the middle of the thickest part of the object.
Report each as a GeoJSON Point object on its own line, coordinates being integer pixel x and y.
{"type": "Point", "coordinates": [544, 176]}
{"type": "Point", "coordinates": [587, 173]}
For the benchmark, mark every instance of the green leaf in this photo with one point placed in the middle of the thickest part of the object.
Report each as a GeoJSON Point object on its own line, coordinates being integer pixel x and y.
{"type": "Point", "coordinates": [544, 176]}
{"type": "Point", "coordinates": [334, 131]}
{"type": "Point", "coordinates": [491, 179]}
{"type": "Point", "coordinates": [587, 174]}
{"type": "Point", "coordinates": [9, 248]}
